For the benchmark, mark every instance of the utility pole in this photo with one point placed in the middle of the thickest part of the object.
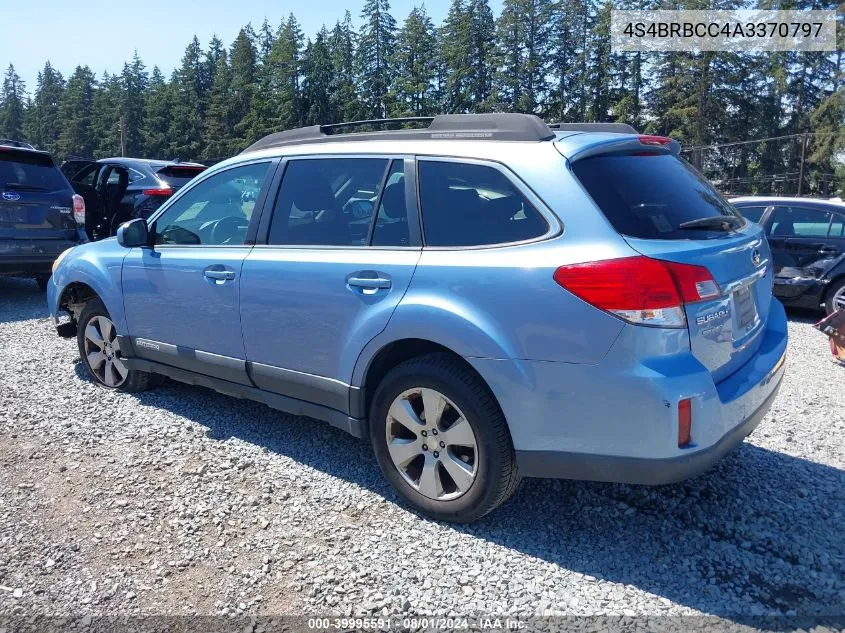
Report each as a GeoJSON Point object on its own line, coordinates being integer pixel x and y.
{"type": "Point", "coordinates": [122, 136]}
{"type": "Point", "coordinates": [801, 168]}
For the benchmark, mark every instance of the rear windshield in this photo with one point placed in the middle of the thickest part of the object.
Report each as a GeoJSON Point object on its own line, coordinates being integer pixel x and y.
{"type": "Point", "coordinates": [177, 175]}
{"type": "Point", "coordinates": [29, 171]}
{"type": "Point", "coordinates": [649, 195]}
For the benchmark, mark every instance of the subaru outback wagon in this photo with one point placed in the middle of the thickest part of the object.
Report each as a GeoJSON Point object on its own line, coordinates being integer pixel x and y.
{"type": "Point", "coordinates": [484, 298]}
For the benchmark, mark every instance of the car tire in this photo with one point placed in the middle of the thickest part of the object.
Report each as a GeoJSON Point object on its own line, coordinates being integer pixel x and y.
{"type": "Point", "coordinates": [478, 451]}
{"type": "Point", "coordinates": [42, 281]}
{"type": "Point", "coordinates": [101, 354]}
{"type": "Point", "coordinates": [835, 297]}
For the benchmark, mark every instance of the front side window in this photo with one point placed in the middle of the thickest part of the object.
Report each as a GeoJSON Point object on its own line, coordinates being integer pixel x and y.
{"type": "Point", "coordinates": [331, 201]}
{"type": "Point", "coordinates": [215, 212]}
{"type": "Point", "coordinates": [474, 205]}
{"type": "Point", "coordinates": [798, 222]}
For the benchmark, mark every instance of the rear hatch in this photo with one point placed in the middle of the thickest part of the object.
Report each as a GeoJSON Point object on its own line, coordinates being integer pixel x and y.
{"type": "Point", "coordinates": [36, 201]}
{"type": "Point", "coordinates": [666, 210]}
{"type": "Point", "coordinates": [178, 175]}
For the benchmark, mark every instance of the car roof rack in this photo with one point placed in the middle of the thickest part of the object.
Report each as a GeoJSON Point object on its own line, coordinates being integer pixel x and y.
{"type": "Point", "coordinates": [498, 127]}
{"type": "Point", "coordinates": [613, 128]}
{"type": "Point", "coordinates": [12, 143]}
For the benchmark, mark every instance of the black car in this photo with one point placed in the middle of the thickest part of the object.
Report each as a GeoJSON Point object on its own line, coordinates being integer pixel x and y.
{"type": "Point", "coordinates": [40, 215]}
{"type": "Point", "coordinates": [120, 189]}
{"type": "Point", "coordinates": [807, 238]}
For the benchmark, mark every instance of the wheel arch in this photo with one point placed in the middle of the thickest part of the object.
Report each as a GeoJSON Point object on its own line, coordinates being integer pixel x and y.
{"type": "Point", "coordinates": [391, 354]}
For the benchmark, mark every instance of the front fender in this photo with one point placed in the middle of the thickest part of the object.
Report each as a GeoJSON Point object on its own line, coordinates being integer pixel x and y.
{"type": "Point", "coordinates": [97, 265]}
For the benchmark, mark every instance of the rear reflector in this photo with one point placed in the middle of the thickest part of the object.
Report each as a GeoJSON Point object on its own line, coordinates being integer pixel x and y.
{"type": "Point", "coordinates": [640, 289]}
{"type": "Point", "coordinates": [79, 209]}
{"type": "Point", "coordinates": [684, 422]}
{"type": "Point", "coordinates": [159, 192]}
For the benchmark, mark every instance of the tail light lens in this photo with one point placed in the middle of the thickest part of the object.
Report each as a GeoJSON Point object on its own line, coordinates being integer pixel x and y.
{"type": "Point", "coordinates": [79, 209]}
{"type": "Point", "coordinates": [640, 289]}
{"type": "Point", "coordinates": [165, 191]}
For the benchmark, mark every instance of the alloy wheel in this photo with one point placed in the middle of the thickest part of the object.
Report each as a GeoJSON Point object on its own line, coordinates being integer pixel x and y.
{"type": "Point", "coordinates": [432, 444]}
{"type": "Point", "coordinates": [102, 352]}
{"type": "Point", "coordinates": [839, 299]}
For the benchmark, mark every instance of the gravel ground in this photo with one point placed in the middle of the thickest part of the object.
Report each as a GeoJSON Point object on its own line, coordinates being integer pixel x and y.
{"type": "Point", "coordinates": [183, 501]}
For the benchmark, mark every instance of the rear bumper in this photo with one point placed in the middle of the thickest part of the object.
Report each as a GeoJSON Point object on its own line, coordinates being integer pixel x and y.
{"type": "Point", "coordinates": [632, 470]}
{"type": "Point", "coordinates": [618, 420]}
{"type": "Point", "coordinates": [31, 257]}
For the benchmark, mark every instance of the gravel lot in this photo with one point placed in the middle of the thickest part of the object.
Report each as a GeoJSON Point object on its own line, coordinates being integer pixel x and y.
{"type": "Point", "coordinates": [183, 501]}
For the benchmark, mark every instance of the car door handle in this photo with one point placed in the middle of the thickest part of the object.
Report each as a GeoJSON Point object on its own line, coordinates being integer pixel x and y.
{"type": "Point", "coordinates": [221, 275]}
{"type": "Point", "coordinates": [828, 250]}
{"type": "Point", "coordinates": [368, 282]}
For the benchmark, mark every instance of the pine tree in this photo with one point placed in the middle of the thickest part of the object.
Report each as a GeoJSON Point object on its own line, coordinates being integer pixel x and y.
{"type": "Point", "coordinates": [189, 104]}
{"type": "Point", "coordinates": [344, 95]}
{"type": "Point", "coordinates": [285, 61]}
{"type": "Point", "coordinates": [133, 81]}
{"type": "Point", "coordinates": [481, 54]}
{"type": "Point", "coordinates": [218, 132]}
{"type": "Point", "coordinates": [105, 119]}
{"type": "Point", "coordinates": [455, 45]}
{"type": "Point", "coordinates": [76, 115]}
{"type": "Point", "coordinates": [158, 104]}
{"type": "Point", "coordinates": [243, 90]}
{"type": "Point", "coordinates": [415, 66]}
{"type": "Point", "coordinates": [317, 81]}
{"type": "Point", "coordinates": [374, 51]}
{"type": "Point", "coordinates": [12, 101]}
{"type": "Point", "coordinates": [44, 114]}
{"type": "Point", "coordinates": [524, 42]}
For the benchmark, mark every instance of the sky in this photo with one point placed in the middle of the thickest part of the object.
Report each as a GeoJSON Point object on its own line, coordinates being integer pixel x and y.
{"type": "Point", "coordinates": [105, 33]}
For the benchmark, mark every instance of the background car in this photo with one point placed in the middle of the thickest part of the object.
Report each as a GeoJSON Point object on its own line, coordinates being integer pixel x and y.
{"type": "Point", "coordinates": [807, 238]}
{"type": "Point", "coordinates": [40, 216]}
{"type": "Point", "coordinates": [120, 189]}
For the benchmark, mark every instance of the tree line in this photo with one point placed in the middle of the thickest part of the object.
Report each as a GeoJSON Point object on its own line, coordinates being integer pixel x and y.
{"type": "Point", "coordinates": [548, 57]}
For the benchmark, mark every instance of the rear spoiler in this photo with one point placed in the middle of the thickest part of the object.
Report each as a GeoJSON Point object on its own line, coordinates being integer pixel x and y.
{"type": "Point", "coordinates": [618, 143]}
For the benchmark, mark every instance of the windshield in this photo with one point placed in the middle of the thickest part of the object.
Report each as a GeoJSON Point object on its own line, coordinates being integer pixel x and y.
{"type": "Point", "coordinates": [655, 196]}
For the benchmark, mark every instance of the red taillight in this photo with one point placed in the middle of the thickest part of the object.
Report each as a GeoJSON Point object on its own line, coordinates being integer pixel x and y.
{"type": "Point", "coordinates": [79, 209]}
{"type": "Point", "coordinates": [167, 191]}
{"type": "Point", "coordinates": [639, 289]}
{"type": "Point", "coordinates": [646, 139]}
{"type": "Point", "coordinates": [684, 422]}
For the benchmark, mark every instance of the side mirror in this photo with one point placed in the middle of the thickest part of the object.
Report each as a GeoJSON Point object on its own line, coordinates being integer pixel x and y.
{"type": "Point", "coordinates": [133, 233]}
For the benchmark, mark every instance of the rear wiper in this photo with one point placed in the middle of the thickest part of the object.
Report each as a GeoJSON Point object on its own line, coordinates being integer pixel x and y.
{"type": "Point", "coordinates": [724, 222]}
{"type": "Point", "coordinates": [21, 185]}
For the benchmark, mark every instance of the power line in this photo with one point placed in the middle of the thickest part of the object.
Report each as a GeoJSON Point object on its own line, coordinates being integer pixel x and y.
{"type": "Point", "coordinates": [759, 140]}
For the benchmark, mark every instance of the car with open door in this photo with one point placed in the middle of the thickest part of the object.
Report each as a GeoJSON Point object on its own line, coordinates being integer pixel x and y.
{"type": "Point", "coordinates": [807, 238]}
{"type": "Point", "coordinates": [120, 189]}
{"type": "Point", "coordinates": [40, 215]}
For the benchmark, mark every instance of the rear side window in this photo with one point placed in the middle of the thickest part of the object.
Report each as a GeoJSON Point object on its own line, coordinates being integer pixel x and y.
{"type": "Point", "coordinates": [799, 222]}
{"type": "Point", "coordinates": [177, 175]}
{"type": "Point", "coordinates": [474, 205]}
{"type": "Point", "coordinates": [649, 195]}
{"type": "Point", "coordinates": [29, 171]}
{"type": "Point", "coordinates": [752, 213]}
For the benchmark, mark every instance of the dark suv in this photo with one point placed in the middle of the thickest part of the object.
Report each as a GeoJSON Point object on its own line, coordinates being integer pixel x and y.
{"type": "Point", "coordinates": [40, 216]}
{"type": "Point", "coordinates": [120, 189]}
